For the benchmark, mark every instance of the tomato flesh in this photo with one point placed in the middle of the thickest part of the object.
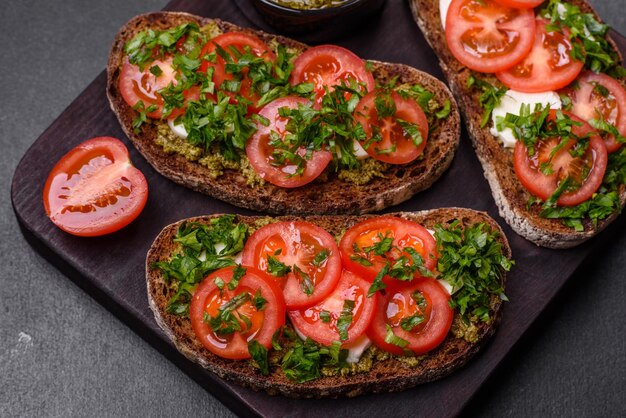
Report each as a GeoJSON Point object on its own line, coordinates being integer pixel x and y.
{"type": "Point", "coordinates": [94, 189]}
{"type": "Point", "coordinates": [243, 43]}
{"type": "Point", "coordinates": [404, 234]}
{"type": "Point", "coordinates": [548, 66]}
{"type": "Point", "coordinates": [136, 85]}
{"type": "Point", "coordinates": [259, 324]}
{"type": "Point", "coordinates": [301, 244]}
{"type": "Point", "coordinates": [587, 170]}
{"type": "Point", "coordinates": [260, 151]}
{"type": "Point", "coordinates": [350, 287]}
{"type": "Point", "coordinates": [520, 4]}
{"type": "Point", "coordinates": [425, 299]}
{"type": "Point", "coordinates": [327, 66]}
{"type": "Point", "coordinates": [395, 146]}
{"type": "Point", "coordinates": [488, 37]}
{"type": "Point", "coordinates": [599, 96]}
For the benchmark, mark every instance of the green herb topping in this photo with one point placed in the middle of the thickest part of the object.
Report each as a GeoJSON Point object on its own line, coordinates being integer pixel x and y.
{"type": "Point", "coordinates": [471, 259]}
{"type": "Point", "coordinates": [199, 257]}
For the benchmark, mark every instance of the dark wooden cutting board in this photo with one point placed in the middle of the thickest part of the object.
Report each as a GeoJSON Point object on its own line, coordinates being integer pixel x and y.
{"type": "Point", "coordinates": [111, 268]}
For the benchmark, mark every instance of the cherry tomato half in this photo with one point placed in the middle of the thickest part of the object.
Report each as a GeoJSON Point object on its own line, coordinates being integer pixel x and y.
{"type": "Point", "coordinates": [520, 4]}
{"type": "Point", "coordinates": [242, 42]}
{"type": "Point", "coordinates": [396, 146]}
{"type": "Point", "coordinates": [329, 65]}
{"type": "Point", "coordinates": [261, 152]}
{"type": "Point", "coordinates": [599, 96]}
{"type": "Point", "coordinates": [419, 314]}
{"type": "Point", "coordinates": [94, 189]}
{"type": "Point", "coordinates": [136, 85]}
{"type": "Point", "coordinates": [301, 244]}
{"type": "Point", "coordinates": [311, 322]}
{"type": "Point", "coordinates": [587, 171]}
{"type": "Point", "coordinates": [548, 66]}
{"type": "Point", "coordinates": [254, 323]}
{"type": "Point", "coordinates": [488, 37]}
{"type": "Point", "coordinates": [367, 246]}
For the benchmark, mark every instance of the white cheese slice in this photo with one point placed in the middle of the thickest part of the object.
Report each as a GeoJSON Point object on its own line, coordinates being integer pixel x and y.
{"type": "Point", "coordinates": [444, 5]}
{"type": "Point", "coordinates": [359, 151]}
{"type": "Point", "coordinates": [179, 130]}
{"type": "Point", "coordinates": [355, 350]}
{"type": "Point", "coordinates": [511, 102]}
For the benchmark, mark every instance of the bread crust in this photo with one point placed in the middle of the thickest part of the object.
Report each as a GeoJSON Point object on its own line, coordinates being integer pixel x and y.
{"type": "Point", "coordinates": [385, 376]}
{"type": "Point", "coordinates": [509, 194]}
{"type": "Point", "coordinates": [332, 197]}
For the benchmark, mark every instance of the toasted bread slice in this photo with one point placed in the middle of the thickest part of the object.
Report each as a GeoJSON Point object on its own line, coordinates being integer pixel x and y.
{"type": "Point", "coordinates": [509, 194]}
{"type": "Point", "coordinates": [385, 375]}
{"type": "Point", "coordinates": [332, 196]}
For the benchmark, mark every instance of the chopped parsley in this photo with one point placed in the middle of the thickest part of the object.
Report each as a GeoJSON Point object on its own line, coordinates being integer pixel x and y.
{"type": "Point", "coordinates": [259, 355]}
{"type": "Point", "coordinates": [471, 259]}
{"type": "Point", "coordinates": [489, 98]}
{"type": "Point", "coordinates": [277, 268]}
{"type": "Point", "coordinates": [345, 319]}
{"type": "Point", "coordinates": [198, 257]}
{"type": "Point", "coordinates": [304, 361]}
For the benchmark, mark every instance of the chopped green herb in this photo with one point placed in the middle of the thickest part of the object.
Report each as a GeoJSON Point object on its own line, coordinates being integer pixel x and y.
{"type": "Point", "coordinates": [391, 338]}
{"type": "Point", "coordinates": [345, 319]}
{"type": "Point", "coordinates": [277, 268]}
{"type": "Point", "coordinates": [259, 355]}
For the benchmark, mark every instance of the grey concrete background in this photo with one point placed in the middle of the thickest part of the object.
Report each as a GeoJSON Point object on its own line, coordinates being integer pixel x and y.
{"type": "Point", "coordinates": [62, 354]}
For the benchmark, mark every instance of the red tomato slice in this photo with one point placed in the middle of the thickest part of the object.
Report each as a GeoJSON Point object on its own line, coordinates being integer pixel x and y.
{"type": "Point", "coordinates": [590, 101]}
{"type": "Point", "coordinates": [520, 4]}
{"type": "Point", "coordinates": [242, 42]}
{"type": "Point", "coordinates": [548, 66]}
{"type": "Point", "coordinates": [259, 149]}
{"type": "Point", "coordinates": [368, 233]}
{"type": "Point", "coordinates": [396, 146]}
{"type": "Point", "coordinates": [488, 37]}
{"type": "Point", "coordinates": [260, 325]}
{"type": "Point", "coordinates": [94, 189]}
{"type": "Point", "coordinates": [297, 244]}
{"type": "Point", "coordinates": [564, 165]}
{"type": "Point", "coordinates": [424, 298]}
{"type": "Point", "coordinates": [136, 85]}
{"type": "Point", "coordinates": [350, 287]}
{"type": "Point", "coordinates": [329, 65]}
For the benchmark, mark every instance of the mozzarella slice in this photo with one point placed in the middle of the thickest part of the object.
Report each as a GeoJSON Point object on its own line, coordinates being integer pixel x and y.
{"type": "Point", "coordinates": [444, 5]}
{"type": "Point", "coordinates": [511, 102]}
{"type": "Point", "coordinates": [359, 151]}
{"type": "Point", "coordinates": [179, 130]}
{"type": "Point", "coordinates": [355, 350]}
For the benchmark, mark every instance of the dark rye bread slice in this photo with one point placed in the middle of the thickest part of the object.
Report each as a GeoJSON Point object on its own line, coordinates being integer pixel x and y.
{"type": "Point", "coordinates": [385, 376]}
{"type": "Point", "coordinates": [331, 197]}
{"type": "Point", "coordinates": [510, 196]}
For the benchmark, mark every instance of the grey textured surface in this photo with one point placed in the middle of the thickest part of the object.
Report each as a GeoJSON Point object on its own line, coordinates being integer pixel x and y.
{"type": "Point", "coordinates": [62, 354]}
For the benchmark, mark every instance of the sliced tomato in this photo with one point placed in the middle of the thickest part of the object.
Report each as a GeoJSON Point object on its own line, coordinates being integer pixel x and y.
{"type": "Point", "coordinates": [306, 250]}
{"type": "Point", "coordinates": [362, 245]}
{"type": "Point", "coordinates": [520, 4]}
{"type": "Point", "coordinates": [599, 96]}
{"type": "Point", "coordinates": [548, 66]}
{"type": "Point", "coordinates": [311, 323]}
{"type": "Point", "coordinates": [261, 152]}
{"type": "Point", "coordinates": [330, 65]}
{"type": "Point", "coordinates": [242, 42]}
{"type": "Point", "coordinates": [136, 85]}
{"type": "Point", "coordinates": [254, 323]}
{"type": "Point", "coordinates": [586, 171]}
{"type": "Point", "coordinates": [419, 314]}
{"type": "Point", "coordinates": [394, 145]}
{"type": "Point", "coordinates": [94, 189]}
{"type": "Point", "coordinates": [488, 37]}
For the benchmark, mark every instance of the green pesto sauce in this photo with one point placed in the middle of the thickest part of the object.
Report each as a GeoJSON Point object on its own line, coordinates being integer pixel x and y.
{"type": "Point", "coordinates": [466, 330]}
{"type": "Point", "coordinates": [211, 30]}
{"type": "Point", "coordinates": [369, 169]}
{"type": "Point", "coordinates": [309, 4]}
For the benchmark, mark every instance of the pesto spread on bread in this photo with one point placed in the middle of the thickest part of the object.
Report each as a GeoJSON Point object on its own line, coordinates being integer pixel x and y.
{"type": "Point", "coordinates": [212, 91]}
{"type": "Point", "coordinates": [471, 262]}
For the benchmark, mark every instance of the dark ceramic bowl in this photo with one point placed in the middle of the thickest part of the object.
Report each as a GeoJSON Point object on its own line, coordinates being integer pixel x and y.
{"type": "Point", "coordinates": [316, 25]}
